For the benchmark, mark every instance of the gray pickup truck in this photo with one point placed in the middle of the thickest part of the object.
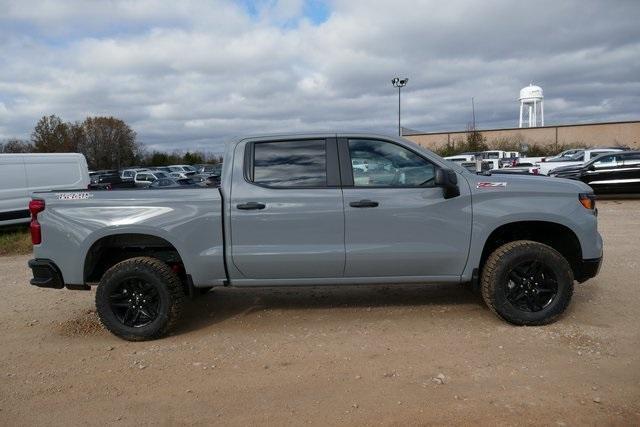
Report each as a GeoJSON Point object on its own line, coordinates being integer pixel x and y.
{"type": "Point", "coordinates": [320, 209]}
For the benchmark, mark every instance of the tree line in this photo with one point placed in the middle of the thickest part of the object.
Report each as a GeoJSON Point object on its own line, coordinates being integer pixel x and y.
{"type": "Point", "coordinates": [475, 142]}
{"type": "Point", "coordinates": [106, 143]}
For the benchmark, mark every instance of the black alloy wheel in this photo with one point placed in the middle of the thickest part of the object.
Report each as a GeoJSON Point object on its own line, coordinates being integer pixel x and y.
{"type": "Point", "coordinates": [135, 302]}
{"type": "Point", "coordinates": [140, 299]}
{"type": "Point", "coordinates": [532, 286]}
{"type": "Point", "coordinates": [527, 283]}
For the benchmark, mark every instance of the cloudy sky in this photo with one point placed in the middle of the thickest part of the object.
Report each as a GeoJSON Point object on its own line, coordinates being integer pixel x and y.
{"type": "Point", "coordinates": [189, 74]}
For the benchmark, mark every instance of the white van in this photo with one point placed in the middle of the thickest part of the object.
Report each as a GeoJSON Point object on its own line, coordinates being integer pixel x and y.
{"type": "Point", "coordinates": [22, 174]}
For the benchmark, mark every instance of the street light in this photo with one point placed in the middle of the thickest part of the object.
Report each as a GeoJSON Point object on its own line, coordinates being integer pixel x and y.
{"type": "Point", "coordinates": [399, 83]}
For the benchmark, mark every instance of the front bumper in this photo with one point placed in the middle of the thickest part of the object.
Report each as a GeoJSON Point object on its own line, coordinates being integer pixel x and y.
{"type": "Point", "coordinates": [588, 268]}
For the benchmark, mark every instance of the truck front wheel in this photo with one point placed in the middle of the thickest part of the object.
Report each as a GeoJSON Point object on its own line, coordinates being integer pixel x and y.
{"type": "Point", "coordinates": [139, 299]}
{"type": "Point", "coordinates": [527, 283]}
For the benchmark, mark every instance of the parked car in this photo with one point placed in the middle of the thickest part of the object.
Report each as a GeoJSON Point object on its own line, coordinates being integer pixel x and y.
{"type": "Point", "coordinates": [290, 212]}
{"type": "Point", "coordinates": [516, 170]}
{"type": "Point", "coordinates": [186, 170]}
{"type": "Point", "coordinates": [163, 183]}
{"type": "Point", "coordinates": [130, 174]}
{"type": "Point", "coordinates": [213, 181]}
{"type": "Point", "coordinates": [164, 169]}
{"type": "Point", "coordinates": [109, 180]}
{"type": "Point", "coordinates": [472, 167]}
{"type": "Point", "coordinates": [199, 180]}
{"type": "Point", "coordinates": [21, 174]}
{"type": "Point", "coordinates": [144, 179]}
{"type": "Point", "coordinates": [563, 155]}
{"type": "Point", "coordinates": [215, 169]}
{"type": "Point", "coordinates": [178, 175]}
{"type": "Point", "coordinates": [461, 158]}
{"type": "Point", "coordinates": [607, 173]}
{"type": "Point", "coordinates": [577, 159]}
{"type": "Point", "coordinates": [93, 175]}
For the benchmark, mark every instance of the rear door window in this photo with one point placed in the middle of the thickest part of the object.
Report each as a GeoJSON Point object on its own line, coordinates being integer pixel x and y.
{"type": "Point", "coordinates": [631, 159]}
{"type": "Point", "coordinates": [290, 164]}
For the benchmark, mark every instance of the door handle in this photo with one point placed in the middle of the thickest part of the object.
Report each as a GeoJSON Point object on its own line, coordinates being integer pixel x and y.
{"type": "Point", "coordinates": [250, 206]}
{"type": "Point", "coordinates": [364, 204]}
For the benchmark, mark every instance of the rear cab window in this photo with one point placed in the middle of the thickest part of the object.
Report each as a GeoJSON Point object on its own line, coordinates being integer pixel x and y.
{"type": "Point", "coordinates": [289, 164]}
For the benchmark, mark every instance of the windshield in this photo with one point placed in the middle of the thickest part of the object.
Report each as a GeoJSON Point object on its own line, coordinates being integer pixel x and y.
{"type": "Point", "coordinates": [569, 157]}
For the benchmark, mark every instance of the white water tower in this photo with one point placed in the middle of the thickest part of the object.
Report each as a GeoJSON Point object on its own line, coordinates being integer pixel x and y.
{"type": "Point", "coordinates": [531, 101]}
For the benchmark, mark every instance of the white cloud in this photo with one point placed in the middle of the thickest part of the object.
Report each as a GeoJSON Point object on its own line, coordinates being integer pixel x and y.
{"type": "Point", "coordinates": [192, 73]}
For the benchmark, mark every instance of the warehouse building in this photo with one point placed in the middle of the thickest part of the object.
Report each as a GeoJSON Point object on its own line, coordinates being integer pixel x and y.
{"type": "Point", "coordinates": [589, 135]}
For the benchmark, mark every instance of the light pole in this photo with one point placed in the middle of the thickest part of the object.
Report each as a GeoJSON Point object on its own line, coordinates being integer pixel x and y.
{"type": "Point", "coordinates": [399, 83]}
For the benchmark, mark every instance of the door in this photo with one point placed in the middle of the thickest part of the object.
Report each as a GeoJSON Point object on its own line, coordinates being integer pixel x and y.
{"type": "Point", "coordinates": [14, 195]}
{"type": "Point", "coordinates": [397, 223]}
{"type": "Point", "coordinates": [603, 173]}
{"type": "Point", "coordinates": [144, 179]}
{"type": "Point", "coordinates": [287, 219]}
{"type": "Point", "coordinates": [618, 172]}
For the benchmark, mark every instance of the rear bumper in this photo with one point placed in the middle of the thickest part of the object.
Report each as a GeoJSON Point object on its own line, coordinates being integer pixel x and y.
{"type": "Point", "coordinates": [46, 274]}
{"type": "Point", "coordinates": [588, 268]}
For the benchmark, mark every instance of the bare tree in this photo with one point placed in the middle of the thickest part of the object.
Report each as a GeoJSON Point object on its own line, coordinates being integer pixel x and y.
{"type": "Point", "coordinates": [16, 146]}
{"type": "Point", "coordinates": [108, 143]}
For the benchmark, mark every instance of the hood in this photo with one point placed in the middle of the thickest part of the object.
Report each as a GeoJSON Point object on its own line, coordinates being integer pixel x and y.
{"type": "Point", "coordinates": [569, 168]}
{"type": "Point", "coordinates": [525, 184]}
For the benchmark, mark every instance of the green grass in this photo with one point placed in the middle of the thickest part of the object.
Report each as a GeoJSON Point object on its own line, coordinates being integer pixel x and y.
{"type": "Point", "coordinates": [15, 241]}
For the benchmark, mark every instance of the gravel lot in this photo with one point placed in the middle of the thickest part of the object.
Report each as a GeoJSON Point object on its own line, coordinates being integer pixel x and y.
{"type": "Point", "coordinates": [365, 355]}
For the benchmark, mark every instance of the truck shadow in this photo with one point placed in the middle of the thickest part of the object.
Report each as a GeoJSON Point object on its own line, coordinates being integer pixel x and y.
{"type": "Point", "coordinates": [227, 303]}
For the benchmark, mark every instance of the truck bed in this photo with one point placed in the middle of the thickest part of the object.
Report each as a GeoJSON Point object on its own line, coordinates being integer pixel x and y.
{"type": "Point", "coordinates": [76, 223]}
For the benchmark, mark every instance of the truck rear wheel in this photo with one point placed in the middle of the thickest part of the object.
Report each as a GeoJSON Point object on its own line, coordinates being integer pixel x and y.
{"type": "Point", "coordinates": [527, 283]}
{"type": "Point", "coordinates": [139, 299]}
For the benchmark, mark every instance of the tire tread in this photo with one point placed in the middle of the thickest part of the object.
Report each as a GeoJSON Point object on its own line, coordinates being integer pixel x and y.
{"type": "Point", "coordinates": [489, 281]}
{"type": "Point", "coordinates": [164, 273]}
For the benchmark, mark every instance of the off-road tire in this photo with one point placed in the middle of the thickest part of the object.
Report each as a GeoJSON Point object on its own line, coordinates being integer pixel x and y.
{"type": "Point", "coordinates": [495, 280]}
{"type": "Point", "coordinates": [155, 273]}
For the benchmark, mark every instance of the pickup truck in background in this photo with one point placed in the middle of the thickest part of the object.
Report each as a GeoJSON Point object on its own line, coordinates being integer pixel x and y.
{"type": "Point", "coordinates": [577, 159]}
{"type": "Point", "coordinates": [292, 210]}
{"type": "Point", "coordinates": [607, 173]}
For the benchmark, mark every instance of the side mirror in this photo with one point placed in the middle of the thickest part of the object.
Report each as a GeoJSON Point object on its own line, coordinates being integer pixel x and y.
{"type": "Point", "coordinates": [448, 180]}
{"type": "Point", "coordinates": [591, 167]}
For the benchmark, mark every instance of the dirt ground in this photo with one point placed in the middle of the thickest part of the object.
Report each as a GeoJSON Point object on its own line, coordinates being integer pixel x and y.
{"type": "Point", "coordinates": [392, 355]}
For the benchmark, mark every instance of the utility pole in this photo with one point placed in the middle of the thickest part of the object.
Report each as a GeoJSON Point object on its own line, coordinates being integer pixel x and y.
{"type": "Point", "coordinates": [399, 83]}
{"type": "Point", "coordinates": [473, 113]}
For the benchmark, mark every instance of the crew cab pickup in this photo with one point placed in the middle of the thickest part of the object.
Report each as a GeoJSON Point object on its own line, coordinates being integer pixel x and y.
{"type": "Point", "coordinates": [293, 210]}
{"type": "Point", "coordinates": [577, 159]}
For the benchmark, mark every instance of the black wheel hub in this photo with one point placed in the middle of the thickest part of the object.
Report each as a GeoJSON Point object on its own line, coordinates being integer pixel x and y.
{"type": "Point", "coordinates": [135, 303]}
{"type": "Point", "coordinates": [531, 286]}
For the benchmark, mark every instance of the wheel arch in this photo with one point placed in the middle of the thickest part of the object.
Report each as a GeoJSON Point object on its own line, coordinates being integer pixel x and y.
{"type": "Point", "coordinates": [556, 235]}
{"type": "Point", "coordinates": [110, 249]}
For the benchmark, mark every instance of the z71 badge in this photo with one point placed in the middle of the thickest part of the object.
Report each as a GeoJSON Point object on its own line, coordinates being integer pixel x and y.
{"type": "Point", "coordinates": [491, 184]}
{"type": "Point", "coordinates": [73, 196]}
